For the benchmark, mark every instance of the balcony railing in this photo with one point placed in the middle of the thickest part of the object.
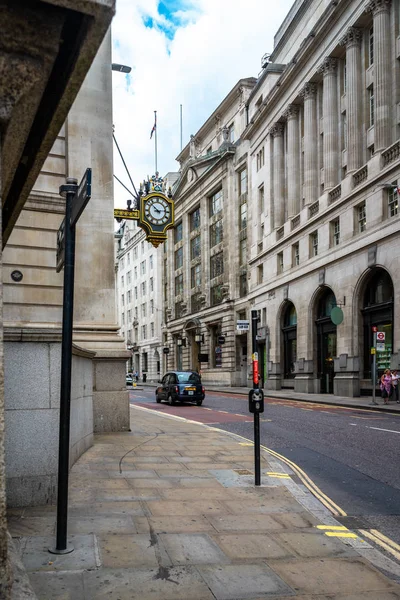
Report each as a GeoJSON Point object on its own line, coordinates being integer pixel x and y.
{"type": "Point", "coordinates": [360, 175]}
{"type": "Point", "coordinates": [392, 153]}
{"type": "Point", "coordinates": [313, 209]}
{"type": "Point", "coordinates": [335, 193]}
{"type": "Point", "coordinates": [295, 221]}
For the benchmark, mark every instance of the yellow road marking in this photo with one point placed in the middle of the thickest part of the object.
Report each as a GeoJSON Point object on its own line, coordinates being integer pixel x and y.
{"type": "Point", "coordinates": [385, 539]}
{"type": "Point", "coordinates": [339, 534]}
{"type": "Point", "coordinates": [333, 527]}
{"type": "Point", "coordinates": [377, 540]}
{"type": "Point", "coordinates": [278, 475]}
{"type": "Point", "coordinates": [246, 444]}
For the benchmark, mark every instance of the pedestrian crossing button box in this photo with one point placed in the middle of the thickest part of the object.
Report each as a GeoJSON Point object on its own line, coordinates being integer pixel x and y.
{"type": "Point", "coordinates": [256, 401]}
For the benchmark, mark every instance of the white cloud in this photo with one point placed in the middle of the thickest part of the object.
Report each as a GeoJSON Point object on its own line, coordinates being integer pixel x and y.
{"type": "Point", "coordinates": [221, 42]}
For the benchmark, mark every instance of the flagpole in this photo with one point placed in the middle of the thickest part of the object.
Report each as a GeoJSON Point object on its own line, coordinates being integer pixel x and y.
{"type": "Point", "coordinates": [155, 139]}
{"type": "Point", "coordinates": [181, 126]}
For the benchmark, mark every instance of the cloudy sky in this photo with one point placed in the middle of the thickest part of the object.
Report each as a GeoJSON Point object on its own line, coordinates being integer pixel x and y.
{"type": "Point", "coordinates": [189, 52]}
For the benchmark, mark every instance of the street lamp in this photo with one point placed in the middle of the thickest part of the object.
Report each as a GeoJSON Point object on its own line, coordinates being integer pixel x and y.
{"type": "Point", "coordinates": [181, 341]}
{"type": "Point", "coordinates": [121, 68]}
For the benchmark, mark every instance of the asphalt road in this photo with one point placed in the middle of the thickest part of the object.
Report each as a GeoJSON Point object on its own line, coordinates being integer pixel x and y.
{"type": "Point", "coordinates": [352, 455]}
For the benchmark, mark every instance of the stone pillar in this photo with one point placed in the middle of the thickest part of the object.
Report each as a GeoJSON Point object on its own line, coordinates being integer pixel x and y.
{"type": "Point", "coordinates": [309, 94]}
{"type": "Point", "coordinates": [330, 116]}
{"type": "Point", "coordinates": [352, 40]}
{"type": "Point", "coordinates": [382, 71]}
{"type": "Point", "coordinates": [293, 160]}
{"type": "Point", "coordinates": [279, 175]}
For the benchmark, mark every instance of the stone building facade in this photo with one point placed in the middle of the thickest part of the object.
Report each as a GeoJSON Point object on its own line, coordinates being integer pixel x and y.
{"type": "Point", "coordinates": [324, 164]}
{"type": "Point", "coordinates": [204, 266]}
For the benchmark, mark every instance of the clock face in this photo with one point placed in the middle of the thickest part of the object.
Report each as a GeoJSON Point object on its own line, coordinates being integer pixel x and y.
{"type": "Point", "coordinates": [157, 211]}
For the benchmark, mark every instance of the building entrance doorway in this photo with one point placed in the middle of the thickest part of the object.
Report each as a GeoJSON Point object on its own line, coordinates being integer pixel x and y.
{"type": "Point", "coordinates": [326, 342]}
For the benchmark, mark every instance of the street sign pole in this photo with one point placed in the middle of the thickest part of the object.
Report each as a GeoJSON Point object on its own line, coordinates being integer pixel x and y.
{"type": "Point", "coordinates": [257, 470]}
{"type": "Point", "coordinates": [374, 371]}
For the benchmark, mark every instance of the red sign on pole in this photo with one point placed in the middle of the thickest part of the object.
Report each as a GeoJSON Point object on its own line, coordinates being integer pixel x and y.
{"type": "Point", "coordinates": [374, 329]}
{"type": "Point", "coordinates": [380, 336]}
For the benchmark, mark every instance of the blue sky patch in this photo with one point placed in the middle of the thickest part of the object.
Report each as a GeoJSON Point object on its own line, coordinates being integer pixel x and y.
{"type": "Point", "coordinates": [173, 14]}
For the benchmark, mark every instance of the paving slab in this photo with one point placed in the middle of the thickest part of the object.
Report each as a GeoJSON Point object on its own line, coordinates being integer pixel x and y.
{"type": "Point", "coordinates": [24, 527]}
{"type": "Point", "coordinates": [101, 524]}
{"type": "Point", "coordinates": [254, 522]}
{"type": "Point", "coordinates": [36, 555]}
{"type": "Point", "coordinates": [251, 546]}
{"type": "Point", "coordinates": [174, 524]}
{"type": "Point", "coordinates": [197, 507]}
{"type": "Point", "coordinates": [243, 582]}
{"type": "Point", "coordinates": [336, 575]}
{"type": "Point", "coordinates": [313, 545]}
{"type": "Point", "coordinates": [193, 549]}
{"type": "Point", "coordinates": [179, 583]}
{"type": "Point", "coordinates": [127, 551]}
{"type": "Point", "coordinates": [58, 586]}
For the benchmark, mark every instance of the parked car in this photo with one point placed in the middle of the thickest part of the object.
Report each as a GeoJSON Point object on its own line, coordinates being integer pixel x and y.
{"type": "Point", "coordinates": [180, 386]}
{"type": "Point", "coordinates": [129, 379]}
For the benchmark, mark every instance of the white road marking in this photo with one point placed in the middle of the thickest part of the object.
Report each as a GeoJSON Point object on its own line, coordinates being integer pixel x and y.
{"type": "Point", "coordinates": [380, 429]}
{"type": "Point", "coordinates": [354, 424]}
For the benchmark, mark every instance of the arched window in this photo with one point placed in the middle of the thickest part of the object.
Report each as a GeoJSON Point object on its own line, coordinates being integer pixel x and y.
{"type": "Point", "coordinates": [289, 331]}
{"type": "Point", "coordinates": [377, 311]}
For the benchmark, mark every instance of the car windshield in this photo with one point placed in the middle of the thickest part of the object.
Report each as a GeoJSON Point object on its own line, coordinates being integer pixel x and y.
{"type": "Point", "coordinates": [188, 377]}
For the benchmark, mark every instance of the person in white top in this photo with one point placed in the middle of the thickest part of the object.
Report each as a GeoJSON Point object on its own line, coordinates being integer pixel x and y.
{"type": "Point", "coordinates": [395, 384]}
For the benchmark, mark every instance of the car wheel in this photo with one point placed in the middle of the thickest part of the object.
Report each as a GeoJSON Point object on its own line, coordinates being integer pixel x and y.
{"type": "Point", "coordinates": [170, 400]}
{"type": "Point", "coordinates": [158, 399]}
{"type": "Point", "coordinates": [199, 402]}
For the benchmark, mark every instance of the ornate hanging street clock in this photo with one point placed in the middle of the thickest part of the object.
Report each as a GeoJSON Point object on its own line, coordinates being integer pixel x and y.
{"type": "Point", "coordinates": [155, 212]}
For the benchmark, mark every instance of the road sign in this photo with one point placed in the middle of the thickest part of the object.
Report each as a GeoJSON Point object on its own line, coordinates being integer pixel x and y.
{"type": "Point", "coordinates": [221, 339]}
{"type": "Point", "coordinates": [243, 325]}
{"type": "Point", "coordinates": [336, 315]}
{"type": "Point", "coordinates": [380, 336]}
{"type": "Point", "coordinates": [373, 350]}
{"type": "Point", "coordinates": [380, 346]}
{"type": "Point", "coordinates": [60, 247]}
{"type": "Point", "coordinates": [82, 196]}
{"type": "Point", "coordinates": [374, 329]}
{"type": "Point", "coordinates": [166, 350]}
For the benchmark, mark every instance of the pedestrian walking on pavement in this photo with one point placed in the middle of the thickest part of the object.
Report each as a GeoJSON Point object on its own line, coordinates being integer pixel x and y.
{"type": "Point", "coordinates": [386, 386]}
{"type": "Point", "coordinates": [395, 385]}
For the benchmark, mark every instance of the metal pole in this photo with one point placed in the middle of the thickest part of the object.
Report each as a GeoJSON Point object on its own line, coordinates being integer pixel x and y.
{"type": "Point", "coordinates": [155, 139]}
{"type": "Point", "coordinates": [62, 547]}
{"type": "Point", "coordinates": [257, 457]}
{"type": "Point", "coordinates": [181, 125]}
{"type": "Point", "coordinates": [374, 372]}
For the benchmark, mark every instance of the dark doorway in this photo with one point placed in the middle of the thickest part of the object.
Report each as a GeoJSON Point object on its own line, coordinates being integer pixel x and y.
{"type": "Point", "coordinates": [326, 341]}
{"type": "Point", "coordinates": [289, 331]}
{"type": "Point", "coordinates": [377, 312]}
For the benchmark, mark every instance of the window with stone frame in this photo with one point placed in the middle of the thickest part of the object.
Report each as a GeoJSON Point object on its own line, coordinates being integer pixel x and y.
{"type": "Point", "coordinates": [216, 232]}
{"type": "Point", "coordinates": [195, 219]}
{"type": "Point", "coordinates": [335, 232]}
{"type": "Point", "coordinates": [393, 200]}
{"type": "Point", "coordinates": [243, 285]}
{"type": "Point", "coordinates": [280, 262]}
{"type": "Point", "coordinates": [314, 243]}
{"type": "Point", "coordinates": [195, 276]}
{"type": "Point", "coordinates": [151, 284]}
{"type": "Point", "coordinates": [243, 252]}
{"type": "Point", "coordinates": [361, 217]}
{"type": "Point", "coordinates": [231, 135]}
{"type": "Point", "coordinates": [260, 273]}
{"type": "Point", "coordinates": [371, 106]}
{"type": "Point", "coordinates": [243, 182]}
{"type": "Point", "coordinates": [179, 310]}
{"type": "Point", "coordinates": [195, 247]}
{"type": "Point", "coordinates": [178, 233]}
{"type": "Point", "coordinates": [215, 203]}
{"type": "Point", "coordinates": [216, 294]}
{"type": "Point", "coordinates": [295, 254]}
{"type": "Point", "coordinates": [179, 285]}
{"type": "Point", "coordinates": [179, 258]}
{"type": "Point", "coordinates": [243, 216]}
{"type": "Point", "coordinates": [371, 47]}
{"type": "Point", "coordinates": [216, 265]}
{"type": "Point", "coordinates": [195, 302]}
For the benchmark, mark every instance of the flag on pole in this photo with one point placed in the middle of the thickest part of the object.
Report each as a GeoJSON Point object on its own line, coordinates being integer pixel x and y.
{"type": "Point", "coordinates": [154, 127]}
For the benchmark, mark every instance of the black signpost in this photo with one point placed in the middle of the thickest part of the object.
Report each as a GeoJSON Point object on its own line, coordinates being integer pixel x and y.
{"type": "Point", "coordinates": [76, 199]}
{"type": "Point", "coordinates": [256, 398]}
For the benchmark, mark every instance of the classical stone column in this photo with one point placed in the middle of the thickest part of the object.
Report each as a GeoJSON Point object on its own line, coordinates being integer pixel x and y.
{"type": "Point", "coordinates": [382, 69]}
{"type": "Point", "coordinates": [309, 94]}
{"type": "Point", "coordinates": [276, 132]}
{"type": "Point", "coordinates": [330, 116]}
{"type": "Point", "coordinates": [293, 159]}
{"type": "Point", "coordinates": [352, 41]}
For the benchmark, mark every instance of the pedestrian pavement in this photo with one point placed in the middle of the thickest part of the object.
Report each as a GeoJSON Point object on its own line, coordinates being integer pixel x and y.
{"type": "Point", "coordinates": [364, 402]}
{"type": "Point", "coordinates": [169, 511]}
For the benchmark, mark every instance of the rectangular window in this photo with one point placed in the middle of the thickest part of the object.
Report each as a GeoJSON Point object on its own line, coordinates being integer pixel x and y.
{"type": "Point", "coordinates": [135, 272]}
{"type": "Point", "coordinates": [142, 247]}
{"type": "Point", "coordinates": [344, 117]}
{"type": "Point", "coordinates": [195, 219]}
{"type": "Point", "coordinates": [195, 276]}
{"type": "Point", "coordinates": [371, 106]}
{"type": "Point", "coordinates": [215, 203]}
{"type": "Point", "coordinates": [143, 310]}
{"type": "Point", "coordinates": [261, 200]}
{"type": "Point", "coordinates": [143, 267]}
{"type": "Point", "coordinates": [195, 247]}
{"type": "Point", "coordinates": [260, 273]}
{"type": "Point", "coordinates": [393, 200]}
{"type": "Point", "coordinates": [151, 284]}
{"type": "Point", "coordinates": [123, 300]}
{"type": "Point", "coordinates": [216, 265]}
{"type": "Point", "coordinates": [371, 47]}
{"type": "Point", "coordinates": [243, 182]}
{"type": "Point", "coordinates": [314, 243]}
{"type": "Point", "coordinates": [143, 288]}
{"type": "Point", "coordinates": [243, 285]}
{"type": "Point", "coordinates": [136, 312]}
{"type": "Point", "coordinates": [151, 261]}
{"type": "Point", "coordinates": [123, 319]}
{"type": "Point", "coordinates": [135, 293]}
{"type": "Point", "coordinates": [178, 233]}
{"type": "Point", "coordinates": [243, 252]}
{"type": "Point", "coordinates": [152, 329]}
{"type": "Point", "coordinates": [129, 258]}
{"type": "Point", "coordinates": [231, 135]}
{"type": "Point", "coordinates": [295, 255]}
{"type": "Point", "coordinates": [178, 258]}
{"type": "Point", "coordinates": [179, 285]}
{"type": "Point", "coordinates": [122, 281]}
{"type": "Point", "coordinates": [335, 232]}
{"type": "Point", "coordinates": [135, 252]}
{"type": "Point", "coordinates": [144, 332]}
{"type": "Point", "coordinates": [152, 307]}
{"type": "Point", "coordinates": [216, 295]}
{"type": "Point", "coordinates": [129, 316]}
{"type": "Point", "coordinates": [122, 263]}
{"type": "Point", "coordinates": [216, 233]}
{"type": "Point", "coordinates": [128, 297]}
{"type": "Point", "coordinates": [243, 216]}
{"type": "Point", "coordinates": [361, 217]}
{"type": "Point", "coordinates": [280, 262]}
